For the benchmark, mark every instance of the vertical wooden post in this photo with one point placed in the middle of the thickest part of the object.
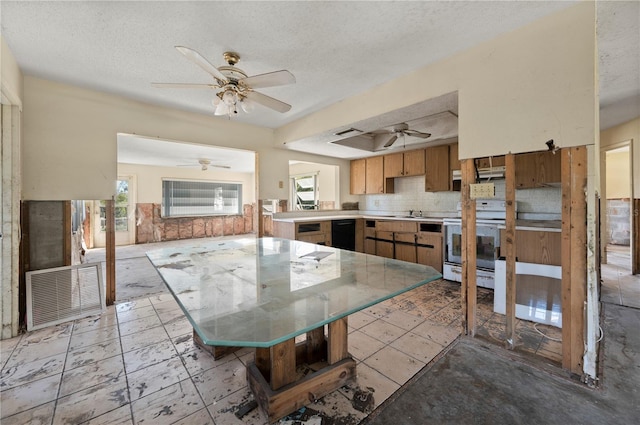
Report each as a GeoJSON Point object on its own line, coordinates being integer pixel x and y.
{"type": "Point", "coordinates": [315, 343]}
{"type": "Point", "coordinates": [67, 237]}
{"type": "Point", "coordinates": [110, 251]}
{"type": "Point", "coordinates": [337, 348]}
{"type": "Point", "coordinates": [510, 249]}
{"type": "Point", "coordinates": [574, 255]}
{"type": "Point", "coordinates": [283, 364]}
{"type": "Point", "coordinates": [468, 287]}
{"type": "Point", "coordinates": [635, 237]}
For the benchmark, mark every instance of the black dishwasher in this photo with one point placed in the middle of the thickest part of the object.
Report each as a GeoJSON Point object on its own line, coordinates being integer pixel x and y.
{"type": "Point", "coordinates": [343, 234]}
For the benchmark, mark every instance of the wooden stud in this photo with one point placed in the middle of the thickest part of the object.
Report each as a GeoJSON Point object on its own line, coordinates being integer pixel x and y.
{"type": "Point", "coordinates": [635, 244]}
{"type": "Point", "coordinates": [468, 286]}
{"type": "Point", "coordinates": [263, 361]}
{"type": "Point", "coordinates": [67, 237]}
{"type": "Point", "coordinates": [283, 364]}
{"type": "Point", "coordinates": [510, 249]}
{"type": "Point", "coordinates": [110, 251]}
{"type": "Point", "coordinates": [337, 344]}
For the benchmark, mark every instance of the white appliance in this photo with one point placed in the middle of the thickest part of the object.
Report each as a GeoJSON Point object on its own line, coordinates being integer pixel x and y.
{"type": "Point", "coordinates": [537, 292]}
{"type": "Point", "coordinates": [490, 213]}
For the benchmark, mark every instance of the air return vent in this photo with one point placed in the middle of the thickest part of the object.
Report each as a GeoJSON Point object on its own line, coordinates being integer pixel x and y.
{"type": "Point", "coordinates": [63, 293]}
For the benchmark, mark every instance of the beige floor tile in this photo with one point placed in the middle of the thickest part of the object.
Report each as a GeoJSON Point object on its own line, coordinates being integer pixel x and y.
{"type": "Point", "coordinates": [338, 407]}
{"type": "Point", "coordinates": [84, 339]}
{"type": "Point", "coordinates": [139, 325]}
{"type": "Point", "coordinates": [168, 310]}
{"type": "Point", "coordinates": [86, 355]}
{"type": "Point", "coordinates": [223, 412]}
{"type": "Point", "coordinates": [198, 360]}
{"type": "Point", "coordinates": [246, 355]}
{"type": "Point", "coordinates": [21, 373]}
{"type": "Point", "coordinates": [221, 381]}
{"type": "Point", "coordinates": [134, 314]}
{"type": "Point", "coordinates": [28, 396]}
{"type": "Point", "coordinates": [161, 298]}
{"type": "Point", "coordinates": [110, 370]}
{"type": "Point", "coordinates": [184, 343]}
{"type": "Point", "coordinates": [119, 416]}
{"type": "Point", "coordinates": [359, 319]}
{"type": "Point", "coordinates": [168, 405]}
{"type": "Point", "coordinates": [383, 331]}
{"type": "Point", "coordinates": [154, 378]}
{"type": "Point", "coordinates": [93, 323]}
{"type": "Point", "coordinates": [178, 326]}
{"type": "Point", "coordinates": [144, 338]}
{"type": "Point", "coordinates": [403, 320]}
{"type": "Point", "coordinates": [41, 415]}
{"type": "Point", "coordinates": [201, 417]}
{"type": "Point", "coordinates": [133, 304]}
{"type": "Point", "coordinates": [394, 364]}
{"type": "Point", "coordinates": [6, 348]}
{"type": "Point", "coordinates": [90, 403]}
{"type": "Point", "coordinates": [377, 311]}
{"type": "Point", "coordinates": [372, 380]}
{"type": "Point", "coordinates": [447, 315]}
{"type": "Point", "coordinates": [148, 356]}
{"type": "Point", "coordinates": [417, 347]}
{"type": "Point", "coordinates": [443, 335]}
{"type": "Point", "coordinates": [49, 341]}
{"type": "Point", "coordinates": [362, 345]}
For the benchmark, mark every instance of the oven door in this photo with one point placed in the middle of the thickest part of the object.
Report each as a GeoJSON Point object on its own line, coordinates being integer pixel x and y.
{"type": "Point", "coordinates": [487, 244]}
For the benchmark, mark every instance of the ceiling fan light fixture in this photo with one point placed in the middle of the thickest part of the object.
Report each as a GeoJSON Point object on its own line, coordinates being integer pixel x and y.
{"type": "Point", "coordinates": [221, 109]}
{"type": "Point", "coordinates": [229, 98]}
{"type": "Point", "coordinates": [247, 105]}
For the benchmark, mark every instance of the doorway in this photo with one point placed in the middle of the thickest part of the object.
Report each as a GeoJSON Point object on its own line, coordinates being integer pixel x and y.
{"type": "Point", "coordinates": [125, 201]}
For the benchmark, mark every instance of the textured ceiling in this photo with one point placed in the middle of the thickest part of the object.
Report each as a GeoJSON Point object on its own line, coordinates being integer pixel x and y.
{"type": "Point", "coordinates": [335, 49]}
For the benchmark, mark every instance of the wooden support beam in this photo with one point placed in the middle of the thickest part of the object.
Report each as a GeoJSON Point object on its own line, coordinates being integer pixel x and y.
{"type": "Point", "coordinates": [574, 255]}
{"type": "Point", "coordinates": [283, 364]}
{"type": "Point", "coordinates": [635, 234]}
{"type": "Point", "coordinates": [337, 345]}
{"type": "Point", "coordinates": [510, 250]}
{"type": "Point", "coordinates": [67, 237]}
{"type": "Point", "coordinates": [315, 344]}
{"type": "Point", "coordinates": [110, 251]}
{"type": "Point", "coordinates": [468, 286]}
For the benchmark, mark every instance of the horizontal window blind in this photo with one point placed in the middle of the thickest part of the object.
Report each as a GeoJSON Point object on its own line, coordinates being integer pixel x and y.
{"type": "Point", "coordinates": [194, 198]}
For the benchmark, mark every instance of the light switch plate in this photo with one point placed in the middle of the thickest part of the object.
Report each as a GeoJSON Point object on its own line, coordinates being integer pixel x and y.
{"type": "Point", "coordinates": [482, 190]}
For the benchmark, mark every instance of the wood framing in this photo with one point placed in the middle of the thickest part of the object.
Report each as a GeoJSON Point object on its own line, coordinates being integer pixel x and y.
{"type": "Point", "coordinates": [66, 238]}
{"type": "Point", "coordinates": [110, 251]}
{"type": "Point", "coordinates": [574, 256]}
{"type": "Point", "coordinates": [468, 287]}
{"type": "Point", "coordinates": [215, 350]}
{"type": "Point", "coordinates": [635, 235]}
{"type": "Point", "coordinates": [510, 248]}
{"type": "Point", "coordinates": [337, 344]}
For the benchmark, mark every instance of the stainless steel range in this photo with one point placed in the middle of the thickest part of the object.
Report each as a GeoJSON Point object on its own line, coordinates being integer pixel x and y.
{"type": "Point", "coordinates": [489, 215]}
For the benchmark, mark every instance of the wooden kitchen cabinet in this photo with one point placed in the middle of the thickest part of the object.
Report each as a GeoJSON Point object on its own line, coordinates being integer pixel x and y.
{"type": "Point", "coordinates": [404, 164]}
{"type": "Point", "coordinates": [490, 161]}
{"type": "Point", "coordinates": [537, 169]}
{"type": "Point", "coordinates": [535, 246]}
{"type": "Point", "coordinates": [429, 250]}
{"type": "Point", "coordinates": [405, 247]}
{"type": "Point", "coordinates": [374, 174]}
{"type": "Point", "coordinates": [384, 244]}
{"type": "Point", "coordinates": [358, 176]}
{"type": "Point", "coordinates": [437, 172]}
{"type": "Point", "coordinates": [317, 232]}
{"type": "Point", "coordinates": [454, 161]}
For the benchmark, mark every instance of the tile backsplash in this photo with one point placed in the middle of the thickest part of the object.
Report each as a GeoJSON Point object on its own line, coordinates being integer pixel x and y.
{"type": "Point", "coordinates": [410, 195]}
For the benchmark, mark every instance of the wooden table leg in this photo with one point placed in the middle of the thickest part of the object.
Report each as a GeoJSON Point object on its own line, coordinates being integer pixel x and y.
{"type": "Point", "coordinates": [215, 350]}
{"type": "Point", "coordinates": [337, 344]}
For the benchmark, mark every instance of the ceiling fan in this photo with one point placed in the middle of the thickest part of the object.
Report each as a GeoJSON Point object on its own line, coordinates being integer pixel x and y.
{"type": "Point", "coordinates": [403, 130]}
{"type": "Point", "coordinates": [205, 164]}
{"type": "Point", "coordinates": [234, 87]}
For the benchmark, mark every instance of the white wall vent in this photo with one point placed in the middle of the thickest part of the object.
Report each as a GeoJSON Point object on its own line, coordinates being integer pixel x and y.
{"type": "Point", "coordinates": [62, 294]}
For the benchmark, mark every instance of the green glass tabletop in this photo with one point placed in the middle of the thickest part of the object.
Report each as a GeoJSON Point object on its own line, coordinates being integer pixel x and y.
{"type": "Point", "coordinates": [260, 292]}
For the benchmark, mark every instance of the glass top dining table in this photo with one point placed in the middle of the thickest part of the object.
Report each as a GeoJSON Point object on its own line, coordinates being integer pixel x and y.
{"type": "Point", "coordinates": [259, 292]}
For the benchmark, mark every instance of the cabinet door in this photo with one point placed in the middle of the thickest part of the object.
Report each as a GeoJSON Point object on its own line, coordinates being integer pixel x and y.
{"type": "Point", "coordinates": [370, 246]}
{"type": "Point", "coordinates": [537, 169]}
{"type": "Point", "coordinates": [414, 163]}
{"type": "Point", "coordinates": [374, 174]}
{"type": "Point", "coordinates": [437, 175]}
{"type": "Point", "coordinates": [384, 249]}
{"type": "Point", "coordinates": [406, 252]}
{"type": "Point", "coordinates": [429, 250]}
{"type": "Point", "coordinates": [358, 176]}
{"type": "Point", "coordinates": [454, 162]}
{"type": "Point", "coordinates": [393, 165]}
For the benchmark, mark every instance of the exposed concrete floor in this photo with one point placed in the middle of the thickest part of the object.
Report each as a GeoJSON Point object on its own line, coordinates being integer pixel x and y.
{"type": "Point", "coordinates": [479, 383]}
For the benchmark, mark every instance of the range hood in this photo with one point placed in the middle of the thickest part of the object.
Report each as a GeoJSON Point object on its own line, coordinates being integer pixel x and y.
{"type": "Point", "coordinates": [484, 173]}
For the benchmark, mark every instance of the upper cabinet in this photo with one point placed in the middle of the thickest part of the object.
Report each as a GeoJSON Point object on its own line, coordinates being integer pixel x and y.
{"type": "Point", "coordinates": [438, 173]}
{"type": "Point", "coordinates": [367, 175]}
{"type": "Point", "coordinates": [537, 169]}
{"type": "Point", "coordinates": [403, 164]}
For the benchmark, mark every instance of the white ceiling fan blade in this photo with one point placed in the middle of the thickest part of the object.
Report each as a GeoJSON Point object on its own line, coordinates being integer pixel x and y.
{"type": "Point", "coordinates": [199, 60]}
{"type": "Point", "coordinates": [270, 79]}
{"type": "Point", "coordinates": [220, 166]}
{"type": "Point", "coordinates": [184, 86]}
{"type": "Point", "coordinates": [268, 101]}
{"type": "Point", "coordinates": [419, 134]}
{"type": "Point", "coordinates": [391, 141]}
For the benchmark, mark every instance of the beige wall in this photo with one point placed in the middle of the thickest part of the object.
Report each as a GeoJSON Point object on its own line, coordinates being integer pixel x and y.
{"type": "Point", "coordinates": [10, 76]}
{"type": "Point", "coordinates": [622, 133]}
{"type": "Point", "coordinates": [515, 92]}
{"type": "Point", "coordinates": [618, 175]}
{"type": "Point", "coordinates": [327, 179]}
{"type": "Point", "coordinates": [149, 180]}
{"type": "Point", "coordinates": [70, 144]}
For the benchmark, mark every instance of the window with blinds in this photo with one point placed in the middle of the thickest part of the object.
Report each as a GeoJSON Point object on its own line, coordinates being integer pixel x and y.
{"type": "Point", "coordinates": [181, 198]}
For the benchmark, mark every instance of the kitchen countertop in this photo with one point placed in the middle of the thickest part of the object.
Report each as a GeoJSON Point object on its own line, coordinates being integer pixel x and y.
{"type": "Point", "coordinates": [348, 216]}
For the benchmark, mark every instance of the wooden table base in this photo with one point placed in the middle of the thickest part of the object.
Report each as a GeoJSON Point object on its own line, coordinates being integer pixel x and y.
{"type": "Point", "coordinates": [216, 351]}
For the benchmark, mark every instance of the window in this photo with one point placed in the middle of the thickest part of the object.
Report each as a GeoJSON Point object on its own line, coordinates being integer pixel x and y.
{"type": "Point", "coordinates": [194, 198]}
{"type": "Point", "coordinates": [121, 208]}
{"type": "Point", "coordinates": [305, 193]}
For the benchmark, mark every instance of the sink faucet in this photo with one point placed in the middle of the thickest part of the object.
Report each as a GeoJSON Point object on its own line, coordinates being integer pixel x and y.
{"type": "Point", "coordinates": [420, 215]}
{"type": "Point", "coordinates": [410, 213]}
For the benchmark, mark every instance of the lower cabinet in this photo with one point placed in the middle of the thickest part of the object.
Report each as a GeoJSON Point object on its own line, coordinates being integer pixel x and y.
{"type": "Point", "coordinates": [429, 246]}
{"type": "Point", "coordinates": [384, 244]}
{"type": "Point", "coordinates": [405, 244]}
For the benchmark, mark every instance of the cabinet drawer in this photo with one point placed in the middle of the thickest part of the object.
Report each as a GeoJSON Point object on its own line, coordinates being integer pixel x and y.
{"type": "Point", "coordinates": [406, 252]}
{"type": "Point", "coordinates": [369, 232]}
{"type": "Point", "coordinates": [387, 236]}
{"type": "Point", "coordinates": [425, 238]}
{"type": "Point", "coordinates": [397, 226]}
{"type": "Point", "coordinates": [320, 239]}
{"type": "Point", "coordinates": [384, 249]}
{"type": "Point", "coordinates": [405, 237]}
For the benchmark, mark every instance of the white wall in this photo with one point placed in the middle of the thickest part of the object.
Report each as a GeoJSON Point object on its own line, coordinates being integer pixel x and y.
{"type": "Point", "coordinates": [515, 92]}
{"type": "Point", "coordinates": [618, 174]}
{"type": "Point", "coordinates": [70, 138]}
{"type": "Point", "coordinates": [11, 81]}
{"type": "Point", "coordinates": [149, 180]}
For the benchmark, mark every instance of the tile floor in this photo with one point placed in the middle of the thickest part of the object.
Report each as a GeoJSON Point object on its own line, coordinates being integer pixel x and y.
{"type": "Point", "coordinates": [619, 286]}
{"type": "Point", "coordinates": [137, 363]}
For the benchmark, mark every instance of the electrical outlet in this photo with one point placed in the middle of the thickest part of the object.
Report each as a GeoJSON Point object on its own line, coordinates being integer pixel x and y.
{"type": "Point", "coordinates": [482, 190]}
